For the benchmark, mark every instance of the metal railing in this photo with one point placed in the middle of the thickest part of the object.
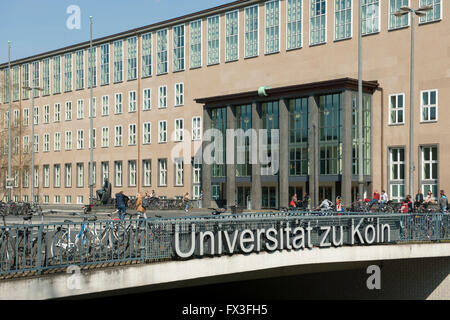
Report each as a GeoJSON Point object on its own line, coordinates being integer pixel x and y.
{"type": "Point", "coordinates": [53, 247]}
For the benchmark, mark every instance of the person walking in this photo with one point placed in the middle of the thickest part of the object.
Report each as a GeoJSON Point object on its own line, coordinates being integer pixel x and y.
{"type": "Point", "coordinates": [186, 201]}
{"type": "Point", "coordinates": [121, 204]}
{"type": "Point", "coordinates": [443, 202]}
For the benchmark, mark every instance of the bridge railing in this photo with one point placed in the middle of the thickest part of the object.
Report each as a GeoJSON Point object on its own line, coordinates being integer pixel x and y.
{"type": "Point", "coordinates": [53, 247]}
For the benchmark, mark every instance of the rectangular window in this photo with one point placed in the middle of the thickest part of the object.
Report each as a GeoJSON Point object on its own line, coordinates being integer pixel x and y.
{"type": "Point", "coordinates": [26, 177]}
{"type": "Point", "coordinates": [179, 94]}
{"type": "Point", "coordinates": [68, 175]}
{"type": "Point", "coordinates": [16, 145]}
{"type": "Point", "coordinates": [433, 15]}
{"type": "Point", "coordinates": [397, 22]}
{"type": "Point", "coordinates": [104, 64]}
{"type": "Point", "coordinates": [94, 172]}
{"type": "Point", "coordinates": [68, 140]}
{"type": "Point", "coordinates": [105, 171]}
{"type": "Point", "coordinates": [342, 19]}
{"type": "Point", "coordinates": [147, 170]}
{"type": "Point", "coordinates": [294, 24]}
{"type": "Point", "coordinates": [105, 137]}
{"type": "Point", "coordinates": [396, 108]}
{"type": "Point", "coordinates": [213, 40]}
{"type": "Point", "coordinates": [57, 112]}
{"type": "Point", "coordinates": [118, 103]}
{"type": "Point", "coordinates": [370, 16]}
{"type": "Point", "coordinates": [179, 127]}
{"type": "Point", "coordinates": [46, 77]}
{"type": "Point", "coordinates": [36, 115]}
{"type": "Point", "coordinates": [232, 36]}
{"type": "Point", "coordinates": [118, 136]}
{"type": "Point", "coordinates": [57, 141]}
{"type": "Point", "coordinates": [80, 109]}
{"type": "Point", "coordinates": [15, 83]}
{"type": "Point", "coordinates": [318, 24]}
{"type": "Point", "coordinates": [430, 164]}
{"type": "Point", "coordinates": [46, 176]}
{"type": "Point", "coordinates": [179, 172]}
{"type": "Point", "coordinates": [80, 175]}
{"type": "Point", "coordinates": [17, 117]}
{"type": "Point", "coordinates": [105, 105]}
{"type": "Point", "coordinates": [46, 114]}
{"type": "Point", "coordinates": [92, 67]}
{"type": "Point", "coordinates": [93, 140]}
{"type": "Point", "coordinates": [196, 44]}
{"type": "Point", "coordinates": [36, 143]}
{"type": "Point", "coordinates": [118, 60]}
{"type": "Point", "coordinates": [147, 133]}
{"type": "Point", "coordinates": [57, 175]}
{"type": "Point", "coordinates": [397, 174]}
{"type": "Point", "coordinates": [147, 99]}
{"type": "Point", "coordinates": [36, 177]}
{"type": "Point", "coordinates": [26, 144]}
{"type": "Point", "coordinates": [251, 31]}
{"type": "Point", "coordinates": [132, 173]}
{"type": "Point", "coordinates": [36, 78]}
{"type": "Point", "coordinates": [132, 135]}
{"type": "Point", "coordinates": [79, 69]}
{"type": "Point", "coordinates": [68, 111]}
{"type": "Point", "coordinates": [93, 111]}
{"type": "Point", "coordinates": [162, 131]}
{"type": "Point", "coordinates": [272, 40]}
{"type": "Point", "coordinates": [68, 72]}
{"type": "Point", "coordinates": [161, 51]}
{"type": "Point", "coordinates": [56, 75]}
{"type": "Point", "coordinates": [118, 173]}
{"type": "Point", "coordinates": [80, 139]}
{"type": "Point", "coordinates": [26, 79]}
{"type": "Point", "coordinates": [26, 117]}
{"type": "Point", "coordinates": [429, 105]}
{"type": "Point", "coordinates": [178, 48]}
{"type": "Point", "coordinates": [146, 55]}
{"type": "Point", "coordinates": [46, 147]}
{"type": "Point", "coordinates": [132, 101]}
{"type": "Point", "coordinates": [132, 58]}
{"type": "Point", "coordinates": [57, 199]}
{"type": "Point", "coordinates": [68, 199]}
{"type": "Point", "coordinates": [196, 128]}
{"type": "Point", "coordinates": [162, 97]}
{"type": "Point", "coordinates": [162, 166]}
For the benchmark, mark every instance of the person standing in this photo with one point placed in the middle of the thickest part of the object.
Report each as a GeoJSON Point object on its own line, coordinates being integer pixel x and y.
{"type": "Point", "coordinates": [139, 207]}
{"type": "Point", "coordinates": [293, 203]}
{"type": "Point", "coordinates": [418, 200]}
{"type": "Point", "coordinates": [406, 205]}
{"type": "Point", "coordinates": [121, 205]}
{"type": "Point", "coordinates": [384, 198]}
{"type": "Point", "coordinates": [186, 201]}
{"type": "Point", "coordinates": [443, 202]}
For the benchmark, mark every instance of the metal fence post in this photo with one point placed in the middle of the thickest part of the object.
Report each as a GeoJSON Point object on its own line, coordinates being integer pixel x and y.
{"type": "Point", "coordinates": [39, 251]}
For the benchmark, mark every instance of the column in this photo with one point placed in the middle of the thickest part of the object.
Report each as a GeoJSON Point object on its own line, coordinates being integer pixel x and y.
{"type": "Point", "coordinates": [313, 142]}
{"type": "Point", "coordinates": [256, 168]}
{"type": "Point", "coordinates": [347, 148]}
{"type": "Point", "coordinates": [231, 164]}
{"type": "Point", "coordinates": [206, 168]}
{"type": "Point", "coordinates": [283, 186]}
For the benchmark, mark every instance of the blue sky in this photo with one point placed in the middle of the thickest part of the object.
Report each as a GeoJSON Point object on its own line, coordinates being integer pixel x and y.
{"type": "Point", "coordinates": [36, 26]}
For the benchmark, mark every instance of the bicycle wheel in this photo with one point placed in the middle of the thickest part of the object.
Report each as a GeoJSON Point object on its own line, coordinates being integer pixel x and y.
{"type": "Point", "coordinates": [61, 249]}
{"type": "Point", "coordinates": [6, 255]}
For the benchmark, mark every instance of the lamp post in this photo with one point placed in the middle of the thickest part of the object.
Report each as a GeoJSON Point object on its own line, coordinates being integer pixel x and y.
{"type": "Point", "coordinates": [360, 109]}
{"type": "Point", "coordinates": [91, 130]}
{"type": "Point", "coordinates": [420, 12]}
{"type": "Point", "coordinates": [32, 137]}
{"type": "Point", "coordinates": [9, 121]}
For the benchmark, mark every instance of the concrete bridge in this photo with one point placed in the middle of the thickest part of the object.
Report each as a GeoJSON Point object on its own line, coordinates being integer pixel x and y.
{"type": "Point", "coordinates": [409, 270]}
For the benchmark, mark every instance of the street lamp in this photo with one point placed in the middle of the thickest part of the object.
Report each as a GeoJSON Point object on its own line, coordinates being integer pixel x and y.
{"type": "Point", "coordinates": [32, 137]}
{"type": "Point", "coordinates": [420, 12]}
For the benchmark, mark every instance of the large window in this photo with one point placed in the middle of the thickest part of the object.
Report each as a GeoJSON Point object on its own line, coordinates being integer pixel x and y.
{"type": "Point", "coordinates": [179, 129]}
{"type": "Point", "coordinates": [80, 139]}
{"type": "Point", "coordinates": [105, 105]}
{"type": "Point", "coordinates": [370, 16]}
{"type": "Point", "coordinates": [270, 120]}
{"type": "Point", "coordinates": [342, 19]}
{"type": "Point", "coordinates": [251, 31]}
{"type": "Point", "coordinates": [68, 175]}
{"type": "Point", "coordinates": [92, 67]}
{"type": "Point", "coordinates": [132, 173]}
{"type": "Point", "coordinates": [118, 103]}
{"type": "Point", "coordinates": [147, 105]}
{"type": "Point", "coordinates": [397, 22]}
{"type": "Point", "coordinates": [429, 105]}
{"type": "Point", "coordinates": [162, 131]}
{"type": "Point", "coordinates": [272, 39]}
{"type": "Point", "coordinates": [178, 48]}
{"type": "Point", "coordinates": [68, 140]}
{"type": "Point", "coordinates": [26, 79]}
{"type": "Point", "coordinates": [219, 122]}
{"type": "Point", "coordinates": [213, 40]}
{"type": "Point", "coordinates": [179, 172]}
{"type": "Point", "coordinates": [104, 64]}
{"type": "Point", "coordinates": [294, 24]}
{"type": "Point", "coordinates": [367, 134]}
{"type": "Point", "coordinates": [147, 172]}
{"type": "Point", "coordinates": [432, 15]}
{"type": "Point", "coordinates": [397, 174]}
{"type": "Point", "coordinates": [429, 174]}
{"type": "Point", "coordinates": [57, 175]}
{"type": "Point", "coordinates": [79, 69]}
{"type": "Point", "coordinates": [105, 137]}
{"type": "Point", "coordinates": [45, 77]}
{"type": "Point", "coordinates": [36, 78]}
{"type": "Point", "coordinates": [146, 55]}
{"type": "Point", "coordinates": [397, 108]}
{"type": "Point", "coordinates": [80, 175]}
{"type": "Point", "coordinates": [162, 95]}
{"type": "Point", "coordinates": [68, 110]}
{"type": "Point", "coordinates": [16, 84]}
{"type": "Point", "coordinates": [196, 44]}
{"type": "Point", "coordinates": [147, 133]}
{"type": "Point", "coordinates": [68, 72]}
{"type": "Point", "coordinates": [118, 136]}
{"type": "Point", "coordinates": [298, 137]}
{"type": "Point", "coordinates": [118, 173]}
{"type": "Point", "coordinates": [232, 36]}
{"type": "Point", "coordinates": [161, 51]}
{"type": "Point", "coordinates": [57, 74]}
{"type": "Point", "coordinates": [46, 147]}
{"type": "Point", "coordinates": [330, 133]}
{"type": "Point", "coordinates": [118, 60]}
{"type": "Point", "coordinates": [318, 22]}
{"type": "Point", "coordinates": [80, 109]}
{"type": "Point", "coordinates": [132, 58]}
{"type": "Point", "coordinates": [242, 149]}
{"type": "Point", "coordinates": [57, 141]}
{"type": "Point", "coordinates": [196, 128]}
{"type": "Point", "coordinates": [132, 104]}
{"type": "Point", "coordinates": [132, 135]}
{"type": "Point", "coordinates": [162, 166]}
{"type": "Point", "coordinates": [179, 94]}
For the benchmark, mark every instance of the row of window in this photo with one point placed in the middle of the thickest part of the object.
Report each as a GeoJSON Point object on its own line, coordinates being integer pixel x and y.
{"type": "Point", "coordinates": [428, 107]}
{"type": "Point", "coordinates": [179, 135]}
{"type": "Point", "coordinates": [343, 22]}
{"type": "Point", "coordinates": [64, 174]}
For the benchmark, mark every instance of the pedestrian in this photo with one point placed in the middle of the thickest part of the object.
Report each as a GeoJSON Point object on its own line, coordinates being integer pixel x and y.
{"type": "Point", "coordinates": [375, 199]}
{"type": "Point", "coordinates": [418, 200]}
{"type": "Point", "coordinates": [139, 204]}
{"type": "Point", "coordinates": [443, 202]}
{"type": "Point", "coordinates": [384, 198]}
{"type": "Point", "coordinates": [407, 205]}
{"type": "Point", "coordinates": [186, 201]}
{"type": "Point", "coordinates": [121, 204]}
{"type": "Point", "coordinates": [293, 203]}
{"type": "Point", "coordinates": [428, 199]}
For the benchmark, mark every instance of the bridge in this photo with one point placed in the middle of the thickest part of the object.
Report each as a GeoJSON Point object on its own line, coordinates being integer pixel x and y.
{"type": "Point", "coordinates": [155, 254]}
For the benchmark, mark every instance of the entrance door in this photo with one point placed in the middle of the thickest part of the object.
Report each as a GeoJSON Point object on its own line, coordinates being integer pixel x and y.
{"type": "Point", "coordinates": [325, 193]}
{"type": "Point", "coordinates": [243, 193]}
{"type": "Point", "coordinates": [269, 197]}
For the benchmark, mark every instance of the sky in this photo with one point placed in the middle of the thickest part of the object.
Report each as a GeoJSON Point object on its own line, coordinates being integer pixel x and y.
{"type": "Point", "coordinates": [37, 26]}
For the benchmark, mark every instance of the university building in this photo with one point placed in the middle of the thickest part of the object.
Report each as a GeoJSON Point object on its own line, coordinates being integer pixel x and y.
{"type": "Point", "coordinates": [161, 86]}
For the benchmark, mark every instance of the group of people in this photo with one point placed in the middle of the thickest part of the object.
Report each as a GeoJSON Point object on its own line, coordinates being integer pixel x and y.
{"type": "Point", "coordinates": [421, 201]}
{"type": "Point", "coordinates": [142, 202]}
